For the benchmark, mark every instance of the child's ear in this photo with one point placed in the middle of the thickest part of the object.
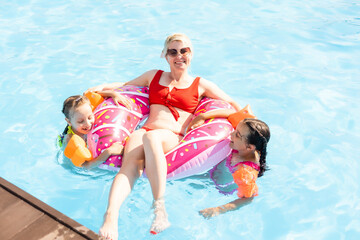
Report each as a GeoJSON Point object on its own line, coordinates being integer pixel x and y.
{"type": "Point", "coordinates": [251, 147]}
{"type": "Point", "coordinates": [68, 121]}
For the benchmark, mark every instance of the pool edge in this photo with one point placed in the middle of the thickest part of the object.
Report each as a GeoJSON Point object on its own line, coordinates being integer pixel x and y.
{"type": "Point", "coordinates": [55, 215]}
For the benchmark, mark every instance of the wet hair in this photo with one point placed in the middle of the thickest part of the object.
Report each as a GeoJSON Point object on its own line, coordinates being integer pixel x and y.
{"type": "Point", "coordinates": [259, 135]}
{"type": "Point", "coordinates": [176, 37]}
{"type": "Point", "coordinates": [71, 103]}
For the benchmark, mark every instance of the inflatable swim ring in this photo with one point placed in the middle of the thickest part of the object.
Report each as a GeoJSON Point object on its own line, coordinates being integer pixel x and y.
{"type": "Point", "coordinates": [203, 147]}
{"type": "Point", "coordinates": [200, 149]}
{"type": "Point", "coordinates": [115, 124]}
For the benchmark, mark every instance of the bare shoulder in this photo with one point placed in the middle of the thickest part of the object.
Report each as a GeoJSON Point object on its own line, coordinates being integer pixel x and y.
{"type": "Point", "coordinates": [151, 73]}
{"type": "Point", "coordinates": [66, 139]}
{"type": "Point", "coordinates": [144, 79]}
{"type": "Point", "coordinates": [206, 83]}
{"type": "Point", "coordinates": [206, 87]}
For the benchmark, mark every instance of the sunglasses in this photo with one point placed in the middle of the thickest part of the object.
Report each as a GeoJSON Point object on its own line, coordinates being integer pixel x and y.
{"type": "Point", "coordinates": [175, 52]}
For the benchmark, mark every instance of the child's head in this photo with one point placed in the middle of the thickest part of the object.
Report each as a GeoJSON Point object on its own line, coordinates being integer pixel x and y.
{"type": "Point", "coordinates": [78, 114]}
{"type": "Point", "coordinates": [252, 134]}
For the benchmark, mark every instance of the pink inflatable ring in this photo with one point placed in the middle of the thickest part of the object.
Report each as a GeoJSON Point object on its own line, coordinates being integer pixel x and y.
{"type": "Point", "coordinates": [199, 150]}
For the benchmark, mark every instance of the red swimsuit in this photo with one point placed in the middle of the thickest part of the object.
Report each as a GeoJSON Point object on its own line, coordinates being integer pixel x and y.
{"type": "Point", "coordinates": [186, 99]}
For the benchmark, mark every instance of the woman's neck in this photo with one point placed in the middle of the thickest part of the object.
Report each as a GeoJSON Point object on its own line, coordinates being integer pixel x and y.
{"type": "Point", "coordinates": [178, 75]}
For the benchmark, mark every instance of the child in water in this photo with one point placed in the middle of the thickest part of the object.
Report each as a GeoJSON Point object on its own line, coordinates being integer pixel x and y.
{"type": "Point", "coordinates": [80, 119]}
{"type": "Point", "coordinates": [248, 160]}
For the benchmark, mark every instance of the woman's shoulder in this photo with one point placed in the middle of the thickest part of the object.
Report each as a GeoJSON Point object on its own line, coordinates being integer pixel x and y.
{"type": "Point", "coordinates": [206, 85]}
{"type": "Point", "coordinates": [149, 75]}
{"type": "Point", "coordinates": [152, 71]}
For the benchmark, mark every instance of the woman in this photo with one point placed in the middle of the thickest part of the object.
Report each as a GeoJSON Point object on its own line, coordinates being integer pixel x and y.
{"type": "Point", "coordinates": [173, 98]}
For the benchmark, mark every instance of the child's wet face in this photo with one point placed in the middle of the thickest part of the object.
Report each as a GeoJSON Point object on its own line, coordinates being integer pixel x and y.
{"type": "Point", "coordinates": [239, 137]}
{"type": "Point", "coordinates": [82, 119]}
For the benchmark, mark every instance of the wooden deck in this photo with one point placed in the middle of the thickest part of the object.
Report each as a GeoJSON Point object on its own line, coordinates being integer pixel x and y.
{"type": "Point", "coordinates": [22, 216]}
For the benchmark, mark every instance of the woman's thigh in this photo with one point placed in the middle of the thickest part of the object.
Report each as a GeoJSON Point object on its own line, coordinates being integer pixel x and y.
{"type": "Point", "coordinates": [134, 149]}
{"type": "Point", "coordinates": [164, 137]}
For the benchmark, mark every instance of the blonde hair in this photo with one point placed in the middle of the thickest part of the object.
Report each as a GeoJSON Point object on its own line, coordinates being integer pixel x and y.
{"type": "Point", "coordinates": [176, 37]}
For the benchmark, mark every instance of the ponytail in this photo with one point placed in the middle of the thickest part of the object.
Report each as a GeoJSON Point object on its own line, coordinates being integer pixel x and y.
{"type": "Point", "coordinates": [259, 136]}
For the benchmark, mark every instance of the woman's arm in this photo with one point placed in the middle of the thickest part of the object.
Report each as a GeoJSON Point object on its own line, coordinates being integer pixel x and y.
{"type": "Point", "coordinates": [142, 80]}
{"type": "Point", "coordinates": [117, 98]}
{"type": "Point", "coordinates": [115, 149]}
{"type": "Point", "coordinates": [231, 206]}
{"type": "Point", "coordinates": [105, 86]}
{"type": "Point", "coordinates": [210, 89]}
{"type": "Point", "coordinates": [202, 117]}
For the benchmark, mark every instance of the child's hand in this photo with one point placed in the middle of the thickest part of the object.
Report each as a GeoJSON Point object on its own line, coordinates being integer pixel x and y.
{"type": "Point", "coordinates": [196, 122]}
{"type": "Point", "coordinates": [116, 148]}
{"type": "Point", "coordinates": [210, 212]}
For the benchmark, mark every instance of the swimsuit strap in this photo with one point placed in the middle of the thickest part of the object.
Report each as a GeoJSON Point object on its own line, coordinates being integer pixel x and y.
{"type": "Point", "coordinates": [232, 168]}
{"type": "Point", "coordinates": [251, 164]}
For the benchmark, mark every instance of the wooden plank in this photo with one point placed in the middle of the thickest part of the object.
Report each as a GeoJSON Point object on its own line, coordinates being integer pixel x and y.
{"type": "Point", "coordinates": [46, 228]}
{"type": "Point", "coordinates": [6, 199]}
{"type": "Point", "coordinates": [46, 209]}
{"type": "Point", "coordinates": [17, 217]}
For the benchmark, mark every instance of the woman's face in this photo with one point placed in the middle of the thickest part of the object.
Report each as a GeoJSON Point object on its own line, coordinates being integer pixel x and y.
{"type": "Point", "coordinates": [178, 55]}
{"type": "Point", "coordinates": [82, 119]}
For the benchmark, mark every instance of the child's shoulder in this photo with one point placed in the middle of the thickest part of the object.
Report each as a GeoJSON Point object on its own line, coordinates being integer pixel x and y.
{"type": "Point", "coordinates": [66, 139]}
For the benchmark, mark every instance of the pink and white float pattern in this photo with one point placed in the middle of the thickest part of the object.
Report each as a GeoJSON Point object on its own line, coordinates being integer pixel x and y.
{"type": "Point", "coordinates": [115, 124]}
{"type": "Point", "coordinates": [203, 147]}
{"type": "Point", "coordinates": [200, 149]}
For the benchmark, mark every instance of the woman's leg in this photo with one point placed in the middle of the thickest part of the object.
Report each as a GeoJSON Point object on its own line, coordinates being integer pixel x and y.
{"type": "Point", "coordinates": [131, 169]}
{"type": "Point", "coordinates": [156, 143]}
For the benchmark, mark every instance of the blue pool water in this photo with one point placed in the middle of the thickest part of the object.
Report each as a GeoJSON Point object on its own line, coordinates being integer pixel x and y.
{"type": "Point", "coordinates": [296, 63]}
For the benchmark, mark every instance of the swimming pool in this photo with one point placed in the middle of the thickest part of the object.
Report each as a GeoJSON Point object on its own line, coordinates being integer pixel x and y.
{"type": "Point", "coordinates": [296, 63]}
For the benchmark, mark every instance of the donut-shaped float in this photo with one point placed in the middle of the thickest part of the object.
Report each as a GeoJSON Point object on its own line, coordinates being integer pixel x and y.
{"type": "Point", "coordinates": [201, 148]}
{"type": "Point", "coordinates": [115, 123]}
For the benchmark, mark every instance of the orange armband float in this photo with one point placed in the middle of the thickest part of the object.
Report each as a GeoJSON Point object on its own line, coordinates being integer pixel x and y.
{"type": "Point", "coordinates": [77, 151]}
{"type": "Point", "coordinates": [95, 99]}
{"type": "Point", "coordinates": [237, 117]}
{"type": "Point", "coordinates": [245, 177]}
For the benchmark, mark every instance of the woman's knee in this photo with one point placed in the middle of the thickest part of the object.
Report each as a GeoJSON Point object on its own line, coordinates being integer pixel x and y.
{"type": "Point", "coordinates": [150, 137]}
{"type": "Point", "coordinates": [135, 166]}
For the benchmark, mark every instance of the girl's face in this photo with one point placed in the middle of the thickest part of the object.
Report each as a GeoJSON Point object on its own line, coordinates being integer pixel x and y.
{"type": "Point", "coordinates": [81, 119]}
{"type": "Point", "coordinates": [178, 55]}
{"type": "Point", "coordinates": [239, 138]}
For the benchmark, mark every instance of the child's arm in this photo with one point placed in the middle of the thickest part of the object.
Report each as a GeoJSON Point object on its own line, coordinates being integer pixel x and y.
{"type": "Point", "coordinates": [117, 98]}
{"type": "Point", "coordinates": [115, 149]}
{"type": "Point", "coordinates": [202, 117]}
{"type": "Point", "coordinates": [231, 206]}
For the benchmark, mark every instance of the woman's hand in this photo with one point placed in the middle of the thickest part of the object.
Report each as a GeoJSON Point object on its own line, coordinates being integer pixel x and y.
{"type": "Point", "coordinates": [116, 149]}
{"type": "Point", "coordinates": [210, 212]}
{"type": "Point", "coordinates": [118, 98]}
{"type": "Point", "coordinates": [196, 122]}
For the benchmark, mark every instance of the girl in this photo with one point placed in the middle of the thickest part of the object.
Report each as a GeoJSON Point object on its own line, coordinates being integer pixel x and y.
{"type": "Point", "coordinates": [248, 161]}
{"type": "Point", "coordinates": [80, 118]}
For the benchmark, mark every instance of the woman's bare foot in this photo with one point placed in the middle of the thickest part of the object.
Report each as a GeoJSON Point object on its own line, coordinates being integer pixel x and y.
{"type": "Point", "coordinates": [109, 229]}
{"type": "Point", "coordinates": [160, 222]}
